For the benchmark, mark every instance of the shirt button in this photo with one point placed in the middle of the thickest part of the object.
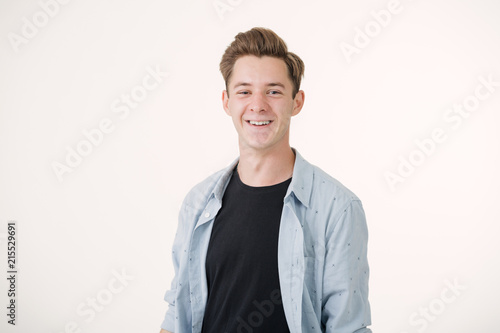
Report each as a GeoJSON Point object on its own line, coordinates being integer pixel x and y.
{"type": "Point", "coordinates": [207, 214]}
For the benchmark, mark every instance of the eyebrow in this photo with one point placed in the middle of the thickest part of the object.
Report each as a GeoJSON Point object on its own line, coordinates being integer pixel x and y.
{"type": "Point", "coordinates": [271, 84]}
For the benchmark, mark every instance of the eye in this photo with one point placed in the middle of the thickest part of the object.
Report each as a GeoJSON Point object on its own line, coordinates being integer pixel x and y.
{"type": "Point", "coordinates": [274, 92]}
{"type": "Point", "coordinates": [243, 92]}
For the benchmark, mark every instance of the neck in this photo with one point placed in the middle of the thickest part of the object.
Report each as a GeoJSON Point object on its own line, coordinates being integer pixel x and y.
{"type": "Point", "coordinates": [265, 168]}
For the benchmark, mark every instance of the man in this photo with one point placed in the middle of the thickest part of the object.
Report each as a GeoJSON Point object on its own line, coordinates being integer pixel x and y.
{"type": "Point", "coordinates": [271, 243]}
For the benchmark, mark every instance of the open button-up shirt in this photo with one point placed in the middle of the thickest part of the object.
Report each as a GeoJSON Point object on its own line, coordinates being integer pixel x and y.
{"type": "Point", "coordinates": [322, 254]}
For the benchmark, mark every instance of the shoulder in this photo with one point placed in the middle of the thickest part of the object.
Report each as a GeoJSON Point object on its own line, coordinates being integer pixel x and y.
{"type": "Point", "coordinates": [327, 205]}
{"type": "Point", "coordinates": [327, 191]}
{"type": "Point", "coordinates": [334, 207]}
{"type": "Point", "coordinates": [332, 184]}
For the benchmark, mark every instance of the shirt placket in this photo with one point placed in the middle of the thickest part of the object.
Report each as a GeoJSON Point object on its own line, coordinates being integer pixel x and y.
{"type": "Point", "coordinates": [197, 254]}
{"type": "Point", "coordinates": [291, 266]}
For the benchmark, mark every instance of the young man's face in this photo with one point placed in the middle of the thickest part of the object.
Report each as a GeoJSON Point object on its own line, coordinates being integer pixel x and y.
{"type": "Point", "coordinates": [260, 102]}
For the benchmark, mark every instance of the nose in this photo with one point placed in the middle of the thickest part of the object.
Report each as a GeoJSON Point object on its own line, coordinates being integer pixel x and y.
{"type": "Point", "coordinates": [258, 103]}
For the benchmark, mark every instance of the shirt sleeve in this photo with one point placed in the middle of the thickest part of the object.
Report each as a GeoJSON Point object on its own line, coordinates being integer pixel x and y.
{"type": "Point", "coordinates": [345, 281]}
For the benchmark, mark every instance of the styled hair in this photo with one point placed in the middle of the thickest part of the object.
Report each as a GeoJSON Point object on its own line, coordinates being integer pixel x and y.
{"type": "Point", "coordinates": [261, 42]}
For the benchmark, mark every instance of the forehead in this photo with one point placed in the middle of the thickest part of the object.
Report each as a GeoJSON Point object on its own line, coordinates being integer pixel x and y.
{"type": "Point", "coordinates": [260, 70]}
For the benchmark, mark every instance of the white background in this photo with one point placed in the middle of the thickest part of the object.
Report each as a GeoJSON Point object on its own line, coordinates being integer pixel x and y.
{"type": "Point", "coordinates": [117, 210]}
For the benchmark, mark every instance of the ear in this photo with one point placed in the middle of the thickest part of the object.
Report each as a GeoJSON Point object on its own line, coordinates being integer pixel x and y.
{"type": "Point", "coordinates": [225, 101]}
{"type": "Point", "coordinates": [298, 102]}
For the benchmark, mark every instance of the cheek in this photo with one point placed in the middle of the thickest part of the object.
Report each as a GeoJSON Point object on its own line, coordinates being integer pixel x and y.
{"type": "Point", "coordinates": [235, 114]}
{"type": "Point", "coordinates": [285, 111]}
{"type": "Point", "coordinates": [236, 109]}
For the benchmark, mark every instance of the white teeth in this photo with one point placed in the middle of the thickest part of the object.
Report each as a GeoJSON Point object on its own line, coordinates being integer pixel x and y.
{"type": "Point", "coordinates": [259, 123]}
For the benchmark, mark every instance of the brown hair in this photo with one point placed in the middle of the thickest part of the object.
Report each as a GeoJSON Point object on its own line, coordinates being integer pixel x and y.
{"type": "Point", "coordinates": [262, 42]}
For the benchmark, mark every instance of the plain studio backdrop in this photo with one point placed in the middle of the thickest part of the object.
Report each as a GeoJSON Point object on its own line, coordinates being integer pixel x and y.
{"type": "Point", "coordinates": [110, 111]}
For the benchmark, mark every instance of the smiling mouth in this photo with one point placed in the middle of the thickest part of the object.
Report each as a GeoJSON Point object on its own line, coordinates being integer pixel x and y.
{"type": "Point", "coordinates": [259, 123]}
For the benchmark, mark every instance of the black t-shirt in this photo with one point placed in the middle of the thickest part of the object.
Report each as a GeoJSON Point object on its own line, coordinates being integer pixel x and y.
{"type": "Point", "coordinates": [242, 261]}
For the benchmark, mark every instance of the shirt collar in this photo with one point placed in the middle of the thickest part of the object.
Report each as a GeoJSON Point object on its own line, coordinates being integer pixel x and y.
{"type": "Point", "coordinates": [221, 184]}
{"type": "Point", "coordinates": [300, 186]}
{"type": "Point", "coordinates": [302, 179]}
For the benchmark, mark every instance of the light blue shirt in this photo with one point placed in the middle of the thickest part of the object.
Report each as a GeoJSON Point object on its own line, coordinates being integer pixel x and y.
{"type": "Point", "coordinates": [322, 254]}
